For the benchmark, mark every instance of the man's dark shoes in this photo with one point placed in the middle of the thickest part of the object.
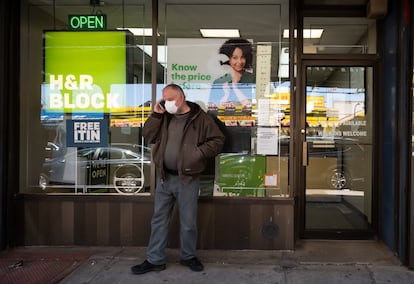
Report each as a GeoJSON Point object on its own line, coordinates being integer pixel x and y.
{"type": "Point", "coordinates": [193, 263]}
{"type": "Point", "coordinates": [147, 266]}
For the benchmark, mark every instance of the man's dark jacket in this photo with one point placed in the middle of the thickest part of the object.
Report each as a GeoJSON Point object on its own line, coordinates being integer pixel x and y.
{"type": "Point", "coordinates": [202, 139]}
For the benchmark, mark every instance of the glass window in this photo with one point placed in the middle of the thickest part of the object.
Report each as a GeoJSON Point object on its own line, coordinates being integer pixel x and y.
{"type": "Point", "coordinates": [357, 35]}
{"type": "Point", "coordinates": [339, 142]}
{"type": "Point", "coordinates": [86, 93]}
{"type": "Point", "coordinates": [240, 79]}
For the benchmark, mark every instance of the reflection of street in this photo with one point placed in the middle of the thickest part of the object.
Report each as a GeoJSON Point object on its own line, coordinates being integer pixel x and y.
{"type": "Point", "coordinates": [232, 110]}
{"type": "Point", "coordinates": [131, 116]}
{"type": "Point", "coordinates": [233, 113]}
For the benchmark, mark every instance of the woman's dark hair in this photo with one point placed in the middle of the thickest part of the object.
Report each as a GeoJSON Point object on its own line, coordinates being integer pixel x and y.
{"type": "Point", "coordinates": [230, 45]}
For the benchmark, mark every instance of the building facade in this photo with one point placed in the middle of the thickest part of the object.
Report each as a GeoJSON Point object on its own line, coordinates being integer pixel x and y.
{"type": "Point", "coordinates": [314, 98]}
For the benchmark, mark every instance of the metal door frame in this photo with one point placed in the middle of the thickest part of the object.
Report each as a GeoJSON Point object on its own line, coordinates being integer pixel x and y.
{"type": "Point", "coordinates": [299, 171]}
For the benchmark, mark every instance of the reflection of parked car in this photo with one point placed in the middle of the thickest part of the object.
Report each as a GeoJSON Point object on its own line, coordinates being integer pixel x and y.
{"type": "Point", "coordinates": [52, 150]}
{"type": "Point", "coordinates": [334, 163]}
{"type": "Point", "coordinates": [124, 167]}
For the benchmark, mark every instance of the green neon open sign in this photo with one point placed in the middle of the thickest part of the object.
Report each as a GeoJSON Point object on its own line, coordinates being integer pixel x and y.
{"type": "Point", "coordinates": [87, 22]}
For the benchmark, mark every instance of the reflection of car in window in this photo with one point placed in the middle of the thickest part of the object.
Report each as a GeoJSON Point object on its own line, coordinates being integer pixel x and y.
{"type": "Point", "coordinates": [52, 150]}
{"type": "Point", "coordinates": [123, 167]}
{"type": "Point", "coordinates": [335, 163]}
{"type": "Point", "coordinates": [337, 159]}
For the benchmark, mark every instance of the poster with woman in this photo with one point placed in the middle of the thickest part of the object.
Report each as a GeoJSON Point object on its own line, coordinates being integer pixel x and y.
{"type": "Point", "coordinates": [216, 73]}
{"type": "Point", "coordinates": [235, 84]}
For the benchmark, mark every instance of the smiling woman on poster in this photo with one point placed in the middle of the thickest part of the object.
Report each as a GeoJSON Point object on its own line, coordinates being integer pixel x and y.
{"type": "Point", "coordinates": [237, 83]}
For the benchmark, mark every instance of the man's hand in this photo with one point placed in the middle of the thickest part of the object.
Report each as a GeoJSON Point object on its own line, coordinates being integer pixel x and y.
{"type": "Point", "coordinates": [158, 107]}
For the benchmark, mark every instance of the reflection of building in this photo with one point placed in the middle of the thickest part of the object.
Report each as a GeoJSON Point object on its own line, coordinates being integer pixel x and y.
{"type": "Point", "coordinates": [130, 116]}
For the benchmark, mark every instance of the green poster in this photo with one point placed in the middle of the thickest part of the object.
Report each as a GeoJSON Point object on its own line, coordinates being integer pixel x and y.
{"type": "Point", "coordinates": [242, 175]}
{"type": "Point", "coordinates": [81, 70]}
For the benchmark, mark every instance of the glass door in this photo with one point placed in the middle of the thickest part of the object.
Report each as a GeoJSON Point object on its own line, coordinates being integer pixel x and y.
{"type": "Point", "coordinates": [337, 150]}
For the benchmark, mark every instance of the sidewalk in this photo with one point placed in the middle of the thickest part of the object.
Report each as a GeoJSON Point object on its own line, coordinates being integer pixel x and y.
{"type": "Point", "coordinates": [312, 262]}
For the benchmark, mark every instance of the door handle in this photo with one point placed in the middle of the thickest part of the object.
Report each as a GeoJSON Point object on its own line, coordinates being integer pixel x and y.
{"type": "Point", "coordinates": [305, 160]}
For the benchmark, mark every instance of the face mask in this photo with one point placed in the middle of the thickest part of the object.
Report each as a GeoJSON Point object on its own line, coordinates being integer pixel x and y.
{"type": "Point", "coordinates": [171, 107]}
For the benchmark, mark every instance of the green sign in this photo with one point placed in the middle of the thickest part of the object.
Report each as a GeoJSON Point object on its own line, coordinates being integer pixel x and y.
{"type": "Point", "coordinates": [84, 71]}
{"type": "Point", "coordinates": [242, 175]}
{"type": "Point", "coordinates": [87, 22]}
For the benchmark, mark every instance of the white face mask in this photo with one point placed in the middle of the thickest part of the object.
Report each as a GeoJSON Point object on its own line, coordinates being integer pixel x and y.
{"type": "Point", "coordinates": [171, 107]}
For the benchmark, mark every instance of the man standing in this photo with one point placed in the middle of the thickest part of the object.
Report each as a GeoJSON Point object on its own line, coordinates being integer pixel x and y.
{"type": "Point", "coordinates": [183, 137]}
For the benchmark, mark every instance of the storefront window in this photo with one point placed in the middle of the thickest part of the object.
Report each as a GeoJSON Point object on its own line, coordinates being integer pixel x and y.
{"type": "Point", "coordinates": [252, 108]}
{"type": "Point", "coordinates": [86, 93]}
{"type": "Point", "coordinates": [357, 35]}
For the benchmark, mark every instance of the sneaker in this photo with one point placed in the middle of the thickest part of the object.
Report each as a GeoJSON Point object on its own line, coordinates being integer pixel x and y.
{"type": "Point", "coordinates": [193, 263]}
{"type": "Point", "coordinates": [147, 266]}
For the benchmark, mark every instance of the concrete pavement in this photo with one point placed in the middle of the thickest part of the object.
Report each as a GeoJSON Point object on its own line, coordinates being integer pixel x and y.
{"type": "Point", "coordinates": [312, 262]}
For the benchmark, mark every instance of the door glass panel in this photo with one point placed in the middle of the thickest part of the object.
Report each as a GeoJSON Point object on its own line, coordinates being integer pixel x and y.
{"type": "Point", "coordinates": [338, 148]}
